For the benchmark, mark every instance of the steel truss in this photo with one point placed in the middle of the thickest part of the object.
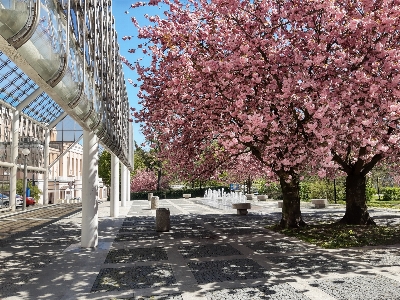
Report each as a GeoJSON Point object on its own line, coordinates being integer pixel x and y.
{"type": "Point", "coordinates": [67, 53]}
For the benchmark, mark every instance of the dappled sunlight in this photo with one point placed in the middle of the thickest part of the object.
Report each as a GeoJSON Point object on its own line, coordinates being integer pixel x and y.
{"type": "Point", "coordinates": [205, 254]}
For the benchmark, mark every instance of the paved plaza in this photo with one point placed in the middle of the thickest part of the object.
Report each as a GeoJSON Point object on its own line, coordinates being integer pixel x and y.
{"type": "Point", "coordinates": [209, 253]}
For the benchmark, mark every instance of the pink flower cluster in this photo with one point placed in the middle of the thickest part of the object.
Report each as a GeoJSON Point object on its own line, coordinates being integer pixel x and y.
{"type": "Point", "coordinates": [304, 86]}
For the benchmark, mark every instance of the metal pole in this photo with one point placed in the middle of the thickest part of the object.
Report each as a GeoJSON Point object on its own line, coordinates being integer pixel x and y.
{"type": "Point", "coordinates": [45, 195]}
{"type": "Point", "coordinates": [334, 190]}
{"type": "Point", "coordinates": [25, 185]}
{"type": "Point", "coordinates": [14, 156]}
{"type": "Point", "coordinates": [377, 188]}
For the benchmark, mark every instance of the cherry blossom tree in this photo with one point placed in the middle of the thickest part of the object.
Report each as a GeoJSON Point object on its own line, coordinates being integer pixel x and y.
{"type": "Point", "coordinates": [146, 180]}
{"type": "Point", "coordinates": [356, 68]}
{"type": "Point", "coordinates": [245, 169]}
{"type": "Point", "coordinates": [303, 85]}
{"type": "Point", "coordinates": [201, 89]}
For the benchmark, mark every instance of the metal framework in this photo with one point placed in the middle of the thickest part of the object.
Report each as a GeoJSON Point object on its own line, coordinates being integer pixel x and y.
{"type": "Point", "coordinates": [61, 56]}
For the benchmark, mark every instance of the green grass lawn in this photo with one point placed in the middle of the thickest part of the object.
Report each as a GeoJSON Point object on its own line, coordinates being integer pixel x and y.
{"type": "Point", "coordinates": [332, 236]}
{"type": "Point", "coordinates": [384, 204]}
{"type": "Point", "coordinates": [379, 203]}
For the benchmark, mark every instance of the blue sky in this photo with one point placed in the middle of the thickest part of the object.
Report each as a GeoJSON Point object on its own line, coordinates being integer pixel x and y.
{"type": "Point", "coordinates": [124, 27]}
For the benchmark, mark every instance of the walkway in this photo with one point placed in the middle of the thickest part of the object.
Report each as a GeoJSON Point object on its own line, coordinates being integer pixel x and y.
{"type": "Point", "coordinates": [208, 254]}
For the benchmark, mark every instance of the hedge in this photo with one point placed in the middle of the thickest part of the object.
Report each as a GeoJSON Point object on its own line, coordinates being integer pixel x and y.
{"type": "Point", "coordinates": [390, 193]}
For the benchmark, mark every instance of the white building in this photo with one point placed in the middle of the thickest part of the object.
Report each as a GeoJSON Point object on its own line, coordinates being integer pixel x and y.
{"type": "Point", "coordinates": [65, 165]}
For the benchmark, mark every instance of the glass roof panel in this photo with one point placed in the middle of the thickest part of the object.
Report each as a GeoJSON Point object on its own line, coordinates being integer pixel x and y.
{"type": "Point", "coordinates": [43, 109]}
{"type": "Point", "coordinates": [15, 86]}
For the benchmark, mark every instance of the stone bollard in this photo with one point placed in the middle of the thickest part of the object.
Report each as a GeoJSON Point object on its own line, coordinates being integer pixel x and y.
{"type": "Point", "coordinates": [162, 219]}
{"type": "Point", "coordinates": [154, 202]}
{"type": "Point", "coordinates": [149, 196]}
{"type": "Point", "coordinates": [249, 196]}
{"type": "Point", "coordinates": [262, 197]}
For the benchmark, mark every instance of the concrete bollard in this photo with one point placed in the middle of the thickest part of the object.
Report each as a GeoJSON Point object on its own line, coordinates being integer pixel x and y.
{"type": "Point", "coordinates": [154, 202]}
{"type": "Point", "coordinates": [149, 196]}
{"type": "Point", "coordinates": [162, 219]}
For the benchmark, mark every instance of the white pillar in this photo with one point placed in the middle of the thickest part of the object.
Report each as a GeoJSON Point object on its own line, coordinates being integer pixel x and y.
{"type": "Point", "coordinates": [89, 233]}
{"type": "Point", "coordinates": [45, 196]}
{"type": "Point", "coordinates": [114, 201]}
{"type": "Point", "coordinates": [14, 156]}
{"type": "Point", "coordinates": [124, 181]}
{"type": "Point", "coordinates": [128, 178]}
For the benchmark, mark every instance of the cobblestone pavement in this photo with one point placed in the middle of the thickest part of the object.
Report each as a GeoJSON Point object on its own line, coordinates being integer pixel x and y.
{"type": "Point", "coordinates": [209, 253]}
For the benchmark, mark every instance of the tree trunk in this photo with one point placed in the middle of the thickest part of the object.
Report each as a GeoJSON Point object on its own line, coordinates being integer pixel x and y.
{"type": "Point", "coordinates": [356, 201]}
{"type": "Point", "coordinates": [249, 183]}
{"type": "Point", "coordinates": [159, 180]}
{"type": "Point", "coordinates": [291, 214]}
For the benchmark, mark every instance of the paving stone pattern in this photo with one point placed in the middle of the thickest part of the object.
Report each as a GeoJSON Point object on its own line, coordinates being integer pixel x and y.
{"type": "Point", "coordinates": [272, 292]}
{"type": "Point", "coordinates": [135, 254]}
{"type": "Point", "coordinates": [243, 231]}
{"type": "Point", "coordinates": [163, 297]}
{"type": "Point", "coordinates": [382, 258]}
{"type": "Point", "coordinates": [118, 279]}
{"type": "Point", "coordinates": [310, 263]}
{"type": "Point", "coordinates": [212, 250]}
{"type": "Point", "coordinates": [133, 228]}
{"type": "Point", "coordinates": [369, 287]}
{"type": "Point", "coordinates": [139, 220]}
{"type": "Point", "coordinates": [227, 270]}
{"type": "Point", "coordinates": [193, 234]}
{"type": "Point", "coordinates": [186, 226]}
{"type": "Point", "coordinates": [140, 236]}
{"type": "Point", "coordinates": [282, 254]}
{"type": "Point", "coordinates": [275, 246]}
{"type": "Point", "coordinates": [226, 223]}
{"type": "Point", "coordinates": [229, 256]}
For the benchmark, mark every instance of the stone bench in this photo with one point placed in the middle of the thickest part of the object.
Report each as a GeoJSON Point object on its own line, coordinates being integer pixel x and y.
{"type": "Point", "coordinates": [262, 197]}
{"type": "Point", "coordinates": [249, 196]}
{"type": "Point", "coordinates": [319, 203]}
{"type": "Point", "coordinates": [187, 196]}
{"type": "Point", "coordinates": [241, 208]}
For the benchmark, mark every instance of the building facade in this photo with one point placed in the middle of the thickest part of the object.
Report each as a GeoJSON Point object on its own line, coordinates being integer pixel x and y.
{"type": "Point", "coordinates": [65, 161]}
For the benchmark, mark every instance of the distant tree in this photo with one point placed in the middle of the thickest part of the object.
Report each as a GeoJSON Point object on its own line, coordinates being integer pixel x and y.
{"type": "Point", "coordinates": [142, 159]}
{"type": "Point", "coordinates": [104, 167]}
{"type": "Point", "coordinates": [146, 180]}
{"type": "Point", "coordinates": [34, 190]}
{"type": "Point", "coordinates": [245, 169]}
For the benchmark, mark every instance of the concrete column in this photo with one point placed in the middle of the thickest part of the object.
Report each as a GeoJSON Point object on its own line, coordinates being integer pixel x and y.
{"type": "Point", "coordinates": [128, 178]}
{"type": "Point", "coordinates": [45, 195]}
{"type": "Point", "coordinates": [89, 233]}
{"type": "Point", "coordinates": [114, 192]}
{"type": "Point", "coordinates": [14, 156]}
{"type": "Point", "coordinates": [124, 180]}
